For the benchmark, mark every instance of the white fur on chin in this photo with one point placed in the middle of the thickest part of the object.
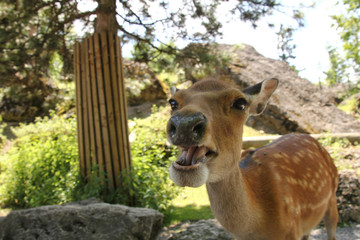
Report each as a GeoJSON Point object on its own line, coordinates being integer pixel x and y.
{"type": "Point", "coordinates": [194, 178]}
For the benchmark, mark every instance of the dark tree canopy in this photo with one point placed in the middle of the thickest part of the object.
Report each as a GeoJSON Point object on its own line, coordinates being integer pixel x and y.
{"type": "Point", "coordinates": [31, 31]}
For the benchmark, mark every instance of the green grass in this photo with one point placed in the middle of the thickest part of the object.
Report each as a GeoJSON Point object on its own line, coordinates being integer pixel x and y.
{"type": "Point", "coordinates": [191, 204]}
{"type": "Point", "coordinates": [251, 132]}
{"type": "Point", "coordinates": [192, 196]}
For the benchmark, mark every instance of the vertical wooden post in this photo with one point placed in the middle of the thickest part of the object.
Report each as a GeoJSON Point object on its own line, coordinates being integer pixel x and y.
{"type": "Point", "coordinates": [101, 107]}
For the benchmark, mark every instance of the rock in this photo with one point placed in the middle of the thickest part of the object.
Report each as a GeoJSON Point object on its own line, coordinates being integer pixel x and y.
{"type": "Point", "coordinates": [296, 106]}
{"type": "Point", "coordinates": [201, 230]}
{"type": "Point", "coordinates": [348, 197]}
{"type": "Point", "coordinates": [82, 220]}
{"type": "Point", "coordinates": [144, 110]}
{"type": "Point", "coordinates": [141, 84]}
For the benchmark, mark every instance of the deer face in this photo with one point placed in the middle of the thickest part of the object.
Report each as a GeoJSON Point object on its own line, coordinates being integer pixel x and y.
{"type": "Point", "coordinates": [207, 124]}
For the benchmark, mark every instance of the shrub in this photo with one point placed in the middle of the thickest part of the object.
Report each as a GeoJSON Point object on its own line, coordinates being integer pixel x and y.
{"type": "Point", "coordinates": [2, 137]}
{"type": "Point", "coordinates": [150, 185]}
{"type": "Point", "coordinates": [351, 105]}
{"type": "Point", "coordinates": [42, 167]}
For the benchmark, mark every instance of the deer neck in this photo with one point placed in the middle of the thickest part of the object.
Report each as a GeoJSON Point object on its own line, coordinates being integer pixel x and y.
{"type": "Point", "coordinates": [230, 198]}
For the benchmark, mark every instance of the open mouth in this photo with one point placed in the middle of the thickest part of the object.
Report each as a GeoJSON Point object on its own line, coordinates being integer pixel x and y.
{"type": "Point", "coordinates": [193, 156]}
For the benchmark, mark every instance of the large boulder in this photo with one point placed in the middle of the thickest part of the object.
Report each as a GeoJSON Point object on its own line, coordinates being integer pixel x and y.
{"type": "Point", "coordinates": [82, 221]}
{"type": "Point", "coordinates": [296, 106]}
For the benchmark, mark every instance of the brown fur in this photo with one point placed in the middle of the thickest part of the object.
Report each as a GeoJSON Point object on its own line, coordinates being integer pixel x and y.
{"type": "Point", "coordinates": [280, 191]}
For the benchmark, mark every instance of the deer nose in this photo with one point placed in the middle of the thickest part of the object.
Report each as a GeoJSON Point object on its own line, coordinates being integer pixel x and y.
{"type": "Point", "coordinates": [186, 129]}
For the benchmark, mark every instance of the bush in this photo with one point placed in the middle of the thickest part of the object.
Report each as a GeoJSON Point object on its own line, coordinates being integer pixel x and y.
{"type": "Point", "coordinates": [42, 167]}
{"type": "Point", "coordinates": [150, 185]}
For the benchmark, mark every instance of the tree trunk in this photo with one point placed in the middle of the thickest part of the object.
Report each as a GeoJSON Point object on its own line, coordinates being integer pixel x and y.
{"type": "Point", "coordinates": [106, 16]}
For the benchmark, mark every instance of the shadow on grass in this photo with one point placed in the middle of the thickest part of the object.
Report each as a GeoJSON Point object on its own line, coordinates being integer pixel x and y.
{"type": "Point", "coordinates": [189, 212]}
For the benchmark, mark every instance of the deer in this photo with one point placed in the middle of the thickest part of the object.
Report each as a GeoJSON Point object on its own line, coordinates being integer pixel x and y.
{"type": "Point", "coordinates": [280, 191]}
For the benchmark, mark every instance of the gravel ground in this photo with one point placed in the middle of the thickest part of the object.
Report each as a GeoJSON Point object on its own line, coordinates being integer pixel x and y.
{"type": "Point", "coordinates": [351, 232]}
{"type": "Point", "coordinates": [211, 229]}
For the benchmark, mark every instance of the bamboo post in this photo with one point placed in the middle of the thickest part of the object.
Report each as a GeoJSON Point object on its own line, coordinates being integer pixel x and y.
{"type": "Point", "coordinates": [101, 107]}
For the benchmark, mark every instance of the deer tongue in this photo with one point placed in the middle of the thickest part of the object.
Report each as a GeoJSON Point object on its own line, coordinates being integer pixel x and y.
{"type": "Point", "coordinates": [192, 155]}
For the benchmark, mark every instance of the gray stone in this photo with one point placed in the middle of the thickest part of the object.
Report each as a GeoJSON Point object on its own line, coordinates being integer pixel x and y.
{"type": "Point", "coordinates": [348, 197]}
{"type": "Point", "coordinates": [201, 230]}
{"type": "Point", "coordinates": [78, 221]}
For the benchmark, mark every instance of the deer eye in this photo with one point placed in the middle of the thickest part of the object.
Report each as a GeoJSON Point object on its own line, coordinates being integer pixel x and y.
{"type": "Point", "coordinates": [239, 104]}
{"type": "Point", "coordinates": [173, 104]}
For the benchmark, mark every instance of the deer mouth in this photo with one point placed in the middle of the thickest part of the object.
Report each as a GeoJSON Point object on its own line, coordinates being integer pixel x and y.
{"type": "Point", "coordinates": [193, 156]}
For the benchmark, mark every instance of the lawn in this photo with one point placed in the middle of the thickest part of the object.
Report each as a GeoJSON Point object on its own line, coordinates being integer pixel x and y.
{"type": "Point", "coordinates": [191, 204]}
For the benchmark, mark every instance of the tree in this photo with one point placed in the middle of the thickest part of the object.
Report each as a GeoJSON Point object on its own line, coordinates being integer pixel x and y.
{"type": "Point", "coordinates": [33, 30]}
{"type": "Point", "coordinates": [285, 37]}
{"type": "Point", "coordinates": [284, 43]}
{"type": "Point", "coordinates": [337, 72]}
{"type": "Point", "coordinates": [349, 31]}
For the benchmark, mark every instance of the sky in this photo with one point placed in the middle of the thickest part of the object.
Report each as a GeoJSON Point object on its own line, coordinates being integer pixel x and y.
{"type": "Point", "coordinates": [312, 58]}
{"type": "Point", "coordinates": [311, 41]}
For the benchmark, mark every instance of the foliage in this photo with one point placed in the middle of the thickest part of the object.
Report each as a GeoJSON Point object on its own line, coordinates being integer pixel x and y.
{"type": "Point", "coordinates": [336, 148]}
{"type": "Point", "coordinates": [31, 32]}
{"type": "Point", "coordinates": [351, 105]}
{"type": "Point", "coordinates": [157, 61]}
{"type": "Point", "coordinates": [284, 43]}
{"type": "Point", "coordinates": [200, 60]}
{"type": "Point", "coordinates": [338, 68]}
{"type": "Point", "coordinates": [42, 167]}
{"type": "Point", "coordinates": [349, 30]}
{"type": "Point", "coordinates": [172, 78]}
{"type": "Point", "coordinates": [179, 16]}
{"type": "Point", "coordinates": [194, 62]}
{"type": "Point", "coordinates": [285, 36]}
{"type": "Point", "coordinates": [149, 183]}
{"type": "Point", "coordinates": [2, 137]}
{"type": "Point", "coordinates": [163, 63]}
{"type": "Point", "coordinates": [328, 141]}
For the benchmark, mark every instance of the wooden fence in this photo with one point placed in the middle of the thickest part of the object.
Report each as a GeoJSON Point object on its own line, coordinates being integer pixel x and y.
{"type": "Point", "coordinates": [256, 142]}
{"type": "Point", "coordinates": [101, 107]}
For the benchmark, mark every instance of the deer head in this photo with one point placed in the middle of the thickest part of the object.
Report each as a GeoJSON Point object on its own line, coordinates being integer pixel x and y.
{"type": "Point", "coordinates": [207, 124]}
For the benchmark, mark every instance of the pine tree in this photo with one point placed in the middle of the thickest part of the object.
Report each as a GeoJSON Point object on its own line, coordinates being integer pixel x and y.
{"type": "Point", "coordinates": [32, 31]}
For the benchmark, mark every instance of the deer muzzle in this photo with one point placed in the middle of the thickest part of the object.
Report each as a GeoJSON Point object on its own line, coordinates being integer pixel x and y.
{"type": "Point", "coordinates": [186, 129]}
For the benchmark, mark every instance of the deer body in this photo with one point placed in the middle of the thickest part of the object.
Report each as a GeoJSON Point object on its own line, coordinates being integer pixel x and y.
{"type": "Point", "coordinates": [280, 191]}
{"type": "Point", "coordinates": [285, 201]}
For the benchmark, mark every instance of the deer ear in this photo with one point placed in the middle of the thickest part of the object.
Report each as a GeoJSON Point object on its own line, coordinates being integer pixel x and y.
{"type": "Point", "coordinates": [259, 95]}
